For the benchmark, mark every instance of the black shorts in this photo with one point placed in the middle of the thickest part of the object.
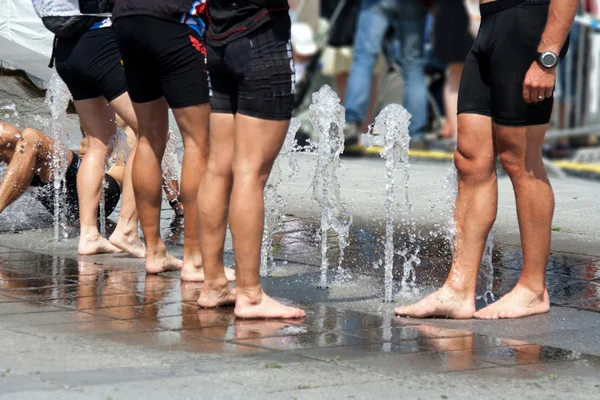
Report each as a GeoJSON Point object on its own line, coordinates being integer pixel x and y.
{"type": "Point", "coordinates": [46, 195]}
{"type": "Point", "coordinates": [254, 74]}
{"type": "Point", "coordinates": [495, 68]}
{"type": "Point", "coordinates": [90, 65]}
{"type": "Point", "coordinates": [162, 58]}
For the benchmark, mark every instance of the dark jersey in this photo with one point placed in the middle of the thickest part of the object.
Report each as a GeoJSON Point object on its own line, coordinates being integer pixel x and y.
{"type": "Point", "coordinates": [231, 19]}
{"type": "Point", "coordinates": [164, 9]}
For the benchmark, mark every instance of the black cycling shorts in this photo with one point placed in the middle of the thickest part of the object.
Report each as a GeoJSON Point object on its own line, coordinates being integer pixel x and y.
{"type": "Point", "coordinates": [90, 65]}
{"type": "Point", "coordinates": [46, 194]}
{"type": "Point", "coordinates": [254, 75]}
{"type": "Point", "coordinates": [495, 68]}
{"type": "Point", "coordinates": [162, 58]}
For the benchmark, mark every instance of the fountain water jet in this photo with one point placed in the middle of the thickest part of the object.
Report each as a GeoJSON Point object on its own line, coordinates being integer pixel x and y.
{"type": "Point", "coordinates": [57, 97]}
{"type": "Point", "coordinates": [327, 117]}
{"type": "Point", "coordinates": [274, 203]}
{"type": "Point", "coordinates": [392, 128]}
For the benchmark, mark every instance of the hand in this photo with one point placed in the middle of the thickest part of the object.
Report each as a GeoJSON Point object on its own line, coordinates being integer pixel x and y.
{"type": "Point", "coordinates": [539, 83]}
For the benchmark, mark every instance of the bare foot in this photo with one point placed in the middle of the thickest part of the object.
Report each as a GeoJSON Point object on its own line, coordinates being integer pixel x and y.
{"type": "Point", "coordinates": [216, 297]}
{"type": "Point", "coordinates": [262, 306]}
{"type": "Point", "coordinates": [95, 244]}
{"type": "Point", "coordinates": [162, 263]}
{"type": "Point", "coordinates": [520, 302]}
{"type": "Point", "coordinates": [191, 273]}
{"type": "Point", "coordinates": [129, 243]}
{"type": "Point", "coordinates": [444, 303]}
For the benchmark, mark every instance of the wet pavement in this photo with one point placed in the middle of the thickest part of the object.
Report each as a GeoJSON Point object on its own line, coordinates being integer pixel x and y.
{"type": "Point", "coordinates": [76, 329]}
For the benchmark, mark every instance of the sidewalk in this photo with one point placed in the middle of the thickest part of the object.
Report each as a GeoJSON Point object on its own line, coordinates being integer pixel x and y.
{"type": "Point", "coordinates": [99, 328]}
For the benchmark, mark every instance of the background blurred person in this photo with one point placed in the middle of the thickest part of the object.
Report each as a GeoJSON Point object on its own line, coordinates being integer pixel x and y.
{"type": "Point", "coordinates": [407, 19]}
{"type": "Point", "coordinates": [303, 47]}
{"type": "Point", "coordinates": [452, 42]}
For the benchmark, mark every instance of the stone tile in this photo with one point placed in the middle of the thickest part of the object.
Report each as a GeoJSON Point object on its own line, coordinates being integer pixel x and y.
{"type": "Point", "coordinates": [276, 378]}
{"type": "Point", "coordinates": [182, 341]}
{"type": "Point", "coordinates": [524, 354]}
{"type": "Point", "coordinates": [20, 383]}
{"type": "Point", "coordinates": [367, 350]}
{"type": "Point", "coordinates": [308, 341]}
{"type": "Point", "coordinates": [586, 271]}
{"type": "Point", "coordinates": [48, 318]}
{"type": "Point", "coordinates": [23, 307]}
{"type": "Point", "coordinates": [93, 328]}
{"type": "Point", "coordinates": [418, 363]}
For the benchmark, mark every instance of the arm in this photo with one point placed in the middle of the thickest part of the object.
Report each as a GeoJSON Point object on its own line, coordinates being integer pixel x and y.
{"type": "Point", "coordinates": [539, 82]}
{"type": "Point", "coordinates": [171, 189]}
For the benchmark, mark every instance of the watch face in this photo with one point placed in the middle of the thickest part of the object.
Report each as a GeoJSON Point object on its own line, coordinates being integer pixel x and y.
{"type": "Point", "coordinates": [548, 60]}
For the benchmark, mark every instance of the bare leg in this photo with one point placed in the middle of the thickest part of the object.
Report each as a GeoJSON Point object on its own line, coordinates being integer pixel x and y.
{"type": "Point", "coordinates": [125, 235]}
{"type": "Point", "coordinates": [213, 208]}
{"type": "Point", "coordinates": [147, 180]}
{"type": "Point", "coordinates": [27, 156]}
{"type": "Point", "coordinates": [476, 207]}
{"type": "Point", "coordinates": [193, 124]}
{"type": "Point", "coordinates": [521, 157]}
{"type": "Point", "coordinates": [98, 121]}
{"type": "Point", "coordinates": [451, 99]}
{"type": "Point", "coordinates": [252, 163]}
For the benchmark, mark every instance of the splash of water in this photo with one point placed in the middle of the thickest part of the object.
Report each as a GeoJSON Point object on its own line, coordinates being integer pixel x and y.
{"type": "Point", "coordinates": [327, 117]}
{"type": "Point", "coordinates": [392, 128]}
{"type": "Point", "coordinates": [485, 277]}
{"type": "Point", "coordinates": [170, 161]}
{"type": "Point", "coordinates": [274, 203]}
{"type": "Point", "coordinates": [57, 97]}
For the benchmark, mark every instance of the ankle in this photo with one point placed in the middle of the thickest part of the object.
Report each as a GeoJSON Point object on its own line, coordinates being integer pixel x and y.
{"type": "Point", "coordinates": [215, 285]}
{"type": "Point", "coordinates": [89, 233]}
{"type": "Point", "coordinates": [252, 295]}
{"type": "Point", "coordinates": [458, 288]}
{"type": "Point", "coordinates": [537, 288]}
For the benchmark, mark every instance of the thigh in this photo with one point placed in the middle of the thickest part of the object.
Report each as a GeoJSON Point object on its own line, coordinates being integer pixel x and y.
{"type": "Point", "coordinates": [252, 156]}
{"type": "Point", "coordinates": [136, 48]}
{"type": "Point", "coordinates": [373, 23]}
{"type": "Point", "coordinates": [181, 59]}
{"type": "Point", "coordinates": [223, 84]}
{"type": "Point", "coordinates": [266, 66]}
{"type": "Point", "coordinates": [98, 120]}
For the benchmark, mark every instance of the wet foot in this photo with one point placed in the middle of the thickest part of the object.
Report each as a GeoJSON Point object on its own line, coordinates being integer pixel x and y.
{"type": "Point", "coordinates": [265, 307]}
{"type": "Point", "coordinates": [191, 273]}
{"type": "Point", "coordinates": [520, 302]}
{"type": "Point", "coordinates": [128, 243]}
{"type": "Point", "coordinates": [163, 263]}
{"type": "Point", "coordinates": [216, 297]}
{"type": "Point", "coordinates": [90, 245]}
{"type": "Point", "coordinates": [443, 303]}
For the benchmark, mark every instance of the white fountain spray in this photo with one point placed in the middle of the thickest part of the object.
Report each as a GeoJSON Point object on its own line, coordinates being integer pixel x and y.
{"type": "Point", "coordinates": [57, 97]}
{"type": "Point", "coordinates": [170, 161]}
{"type": "Point", "coordinates": [391, 126]}
{"type": "Point", "coordinates": [485, 277]}
{"type": "Point", "coordinates": [274, 203]}
{"type": "Point", "coordinates": [327, 116]}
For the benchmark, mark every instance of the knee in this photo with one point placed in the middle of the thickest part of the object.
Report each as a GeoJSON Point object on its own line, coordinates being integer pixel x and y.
{"type": "Point", "coordinates": [512, 165]}
{"type": "Point", "coordinates": [219, 169]}
{"type": "Point", "coordinates": [474, 167]}
{"type": "Point", "coordinates": [256, 172]}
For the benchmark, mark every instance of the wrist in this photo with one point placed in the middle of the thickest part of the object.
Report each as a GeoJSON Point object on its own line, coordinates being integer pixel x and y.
{"type": "Point", "coordinates": [175, 201]}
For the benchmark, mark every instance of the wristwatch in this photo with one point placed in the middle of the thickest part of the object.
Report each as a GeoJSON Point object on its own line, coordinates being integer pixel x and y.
{"type": "Point", "coordinates": [547, 59]}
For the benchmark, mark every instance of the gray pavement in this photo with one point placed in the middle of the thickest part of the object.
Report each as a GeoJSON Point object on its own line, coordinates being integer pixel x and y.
{"type": "Point", "coordinates": [98, 328]}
